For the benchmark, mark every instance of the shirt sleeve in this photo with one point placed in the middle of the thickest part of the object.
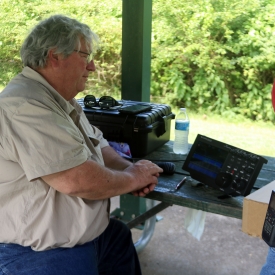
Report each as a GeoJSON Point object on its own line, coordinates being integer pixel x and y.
{"type": "Point", "coordinates": [44, 141]}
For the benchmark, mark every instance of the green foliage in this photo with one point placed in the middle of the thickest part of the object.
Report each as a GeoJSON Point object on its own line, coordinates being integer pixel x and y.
{"type": "Point", "coordinates": [213, 56]}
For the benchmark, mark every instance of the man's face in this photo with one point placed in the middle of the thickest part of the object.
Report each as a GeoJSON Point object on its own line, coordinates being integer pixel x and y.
{"type": "Point", "coordinates": [74, 74]}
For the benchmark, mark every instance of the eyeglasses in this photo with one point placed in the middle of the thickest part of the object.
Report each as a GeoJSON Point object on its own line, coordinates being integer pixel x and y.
{"type": "Point", "coordinates": [105, 102]}
{"type": "Point", "coordinates": [89, 56]}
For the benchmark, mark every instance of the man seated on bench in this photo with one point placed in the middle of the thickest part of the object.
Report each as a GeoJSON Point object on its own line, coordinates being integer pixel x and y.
{"type": "Point", "coordinates": [57, 171]}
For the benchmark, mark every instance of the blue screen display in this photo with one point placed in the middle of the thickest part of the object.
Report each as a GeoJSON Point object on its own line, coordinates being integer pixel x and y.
{"type": "Point", "coordinates": [207, 160]}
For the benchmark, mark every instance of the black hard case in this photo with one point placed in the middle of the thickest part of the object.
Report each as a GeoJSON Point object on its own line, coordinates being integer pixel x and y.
{"type": "Point", "coordinates": [144, 132]}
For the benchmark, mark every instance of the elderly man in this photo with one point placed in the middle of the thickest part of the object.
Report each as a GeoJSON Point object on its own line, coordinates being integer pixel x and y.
{"type": "Point", "coordinates": [57, 171]}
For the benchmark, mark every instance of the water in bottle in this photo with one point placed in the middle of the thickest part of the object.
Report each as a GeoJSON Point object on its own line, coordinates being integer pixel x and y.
{"type": "Point", "coordinates": [181, 132]}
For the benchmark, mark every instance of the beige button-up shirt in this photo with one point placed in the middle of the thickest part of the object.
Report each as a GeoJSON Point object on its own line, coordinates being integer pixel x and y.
{"type": "Point", "coordinates": [41, 133]}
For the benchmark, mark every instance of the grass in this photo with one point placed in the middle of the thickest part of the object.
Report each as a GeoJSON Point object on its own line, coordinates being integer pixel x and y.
{"type": "Point", "coordinates": [252, 136]}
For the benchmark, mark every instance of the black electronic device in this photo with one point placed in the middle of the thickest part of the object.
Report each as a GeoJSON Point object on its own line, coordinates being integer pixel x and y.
{"type": "Point", "coordinates": [222, 166]}
{"type": "Point", "coordinates": [268, 233]}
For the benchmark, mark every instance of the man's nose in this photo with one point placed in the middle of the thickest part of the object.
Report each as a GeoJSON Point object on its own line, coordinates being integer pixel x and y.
{"type": "Point", "coordinates": [91, 66]}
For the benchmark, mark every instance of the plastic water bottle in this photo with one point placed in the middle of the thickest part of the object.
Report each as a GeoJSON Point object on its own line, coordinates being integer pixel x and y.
{"type": "Point", "coordinates": [181, 132]}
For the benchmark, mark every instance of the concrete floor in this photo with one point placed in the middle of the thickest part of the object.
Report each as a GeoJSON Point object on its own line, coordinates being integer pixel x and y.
{"type": "Point", "coordinates": [222, 250]}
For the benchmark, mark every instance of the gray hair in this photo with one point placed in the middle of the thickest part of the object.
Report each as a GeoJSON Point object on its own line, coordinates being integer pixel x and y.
{"type": "Point", "coordinates": [58, 32]}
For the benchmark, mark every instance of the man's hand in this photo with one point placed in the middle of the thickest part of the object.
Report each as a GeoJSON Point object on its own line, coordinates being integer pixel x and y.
{"type": "Point", "coordinates": [144, 191]}
{"type": "Point", "coordinates": [145, 166]}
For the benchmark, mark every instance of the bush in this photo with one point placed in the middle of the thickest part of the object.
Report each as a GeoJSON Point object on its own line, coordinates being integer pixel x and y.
{"type": "Point", "coordinates": [220, 56]}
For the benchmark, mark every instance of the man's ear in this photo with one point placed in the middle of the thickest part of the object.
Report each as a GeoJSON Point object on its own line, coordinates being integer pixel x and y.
{"type": "Point", "coordinates": [53, 58]}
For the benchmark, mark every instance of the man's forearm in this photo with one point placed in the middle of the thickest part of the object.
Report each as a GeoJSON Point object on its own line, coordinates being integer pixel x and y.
{"type": "Point", "coordinates": [113, 160]}
{"type": "Point", "coordinates": [93, 181]}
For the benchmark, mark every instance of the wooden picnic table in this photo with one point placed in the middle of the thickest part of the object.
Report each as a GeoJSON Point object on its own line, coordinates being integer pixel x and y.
{"type": "Point", "coordinates": [194, 194]}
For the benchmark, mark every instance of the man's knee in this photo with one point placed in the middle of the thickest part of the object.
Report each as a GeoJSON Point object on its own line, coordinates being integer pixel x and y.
{"type": "Point", "coordinates": [120, 228]}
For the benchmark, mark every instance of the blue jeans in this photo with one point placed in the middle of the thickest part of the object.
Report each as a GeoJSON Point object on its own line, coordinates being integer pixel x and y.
{"type": "Point", "coordinates": [112, 253]}
{"type": "Point", "coordinates": [269, 266]}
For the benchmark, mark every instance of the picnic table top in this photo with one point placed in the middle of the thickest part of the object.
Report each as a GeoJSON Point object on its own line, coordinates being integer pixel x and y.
{"type": "Point", "coordinates": [199, 196]}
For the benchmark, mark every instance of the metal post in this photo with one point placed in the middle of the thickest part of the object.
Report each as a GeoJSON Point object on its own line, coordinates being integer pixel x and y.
{"type": "Point", "coordinates": [136, 50]}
